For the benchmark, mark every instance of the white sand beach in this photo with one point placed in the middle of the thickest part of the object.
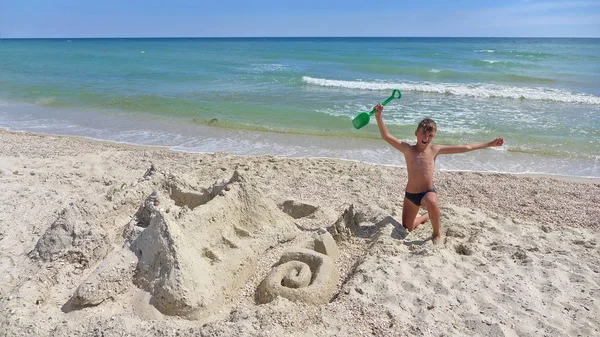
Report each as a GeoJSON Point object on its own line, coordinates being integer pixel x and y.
{"type": "Point", "coordinates": [103, 239]}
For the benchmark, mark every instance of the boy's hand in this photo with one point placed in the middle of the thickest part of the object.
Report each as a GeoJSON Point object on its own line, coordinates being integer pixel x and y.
{"type": "Point", "coordinates": [497, 142]}
{"type": "Point", "coordinates": [378, 109]}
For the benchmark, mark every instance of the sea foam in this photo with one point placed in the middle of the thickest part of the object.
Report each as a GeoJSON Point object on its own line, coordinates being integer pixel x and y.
{"type": "Point", "coordinates": [478, 90]}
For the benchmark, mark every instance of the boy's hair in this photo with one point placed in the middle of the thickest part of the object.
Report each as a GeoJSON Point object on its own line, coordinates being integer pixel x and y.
{"type": "Point", "coordinates": [427, 125]}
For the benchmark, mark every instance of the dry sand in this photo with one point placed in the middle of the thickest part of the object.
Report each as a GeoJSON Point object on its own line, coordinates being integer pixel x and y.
{"type": "Point", "coordinates": [86, 248]}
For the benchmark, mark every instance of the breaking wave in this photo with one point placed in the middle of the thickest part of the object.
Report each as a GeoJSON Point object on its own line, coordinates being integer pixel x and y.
{"type": "Point", "coordinates": [478, 90]}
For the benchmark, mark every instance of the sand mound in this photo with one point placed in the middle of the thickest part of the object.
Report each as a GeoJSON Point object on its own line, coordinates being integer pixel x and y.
{"type": "Point", "coordinates": [72, 238]}
{"type": "Point", "coordinates": [111, 278]}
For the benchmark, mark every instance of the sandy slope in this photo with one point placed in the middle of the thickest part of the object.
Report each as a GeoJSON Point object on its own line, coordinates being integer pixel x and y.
{"type": "Point", "coordinates": [520, 254]}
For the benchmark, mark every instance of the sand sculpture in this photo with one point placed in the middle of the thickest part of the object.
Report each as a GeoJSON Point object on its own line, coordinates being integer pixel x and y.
{"type": "Point", "coordinates": [305, 274]}
{"type": "Point", "coordinates": [190, 248]}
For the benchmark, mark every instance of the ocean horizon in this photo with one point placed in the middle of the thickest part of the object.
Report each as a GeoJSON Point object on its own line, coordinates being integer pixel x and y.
{"type": "Point", "coordinates": [296, 37]}
{"type": "Point", "coordinates": [296, 96]}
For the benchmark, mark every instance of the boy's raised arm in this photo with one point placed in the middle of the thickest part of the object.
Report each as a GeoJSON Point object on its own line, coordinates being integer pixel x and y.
{"type": "Point", "coordinates": [451, 149]}
{"type": "Point", "coordinates": [385, 133]}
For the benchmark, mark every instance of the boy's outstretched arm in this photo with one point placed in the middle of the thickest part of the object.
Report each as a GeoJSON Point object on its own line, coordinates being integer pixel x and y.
{"type": "Point", "coordinates": [385, 133]}
{"type": "Point", "coordinates": [451, 149]}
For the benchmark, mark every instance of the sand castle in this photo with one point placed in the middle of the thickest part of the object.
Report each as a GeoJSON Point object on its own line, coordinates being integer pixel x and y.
{"type": "Point", "coordinates": [193, 249]}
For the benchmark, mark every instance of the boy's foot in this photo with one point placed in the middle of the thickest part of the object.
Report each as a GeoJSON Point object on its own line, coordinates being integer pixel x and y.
{"type": "Point", "coordinates": [421, 220]}
{"type": "Point", "coordinates": [437, 240]}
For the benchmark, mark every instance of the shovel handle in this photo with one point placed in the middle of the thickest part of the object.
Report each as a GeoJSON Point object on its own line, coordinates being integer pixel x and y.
{"type": "Point", "coordinates": [395, 94]}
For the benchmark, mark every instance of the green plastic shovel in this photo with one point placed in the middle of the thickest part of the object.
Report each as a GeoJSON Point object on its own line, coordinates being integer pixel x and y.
{"type": "Point", "coordinates": [363, 118]}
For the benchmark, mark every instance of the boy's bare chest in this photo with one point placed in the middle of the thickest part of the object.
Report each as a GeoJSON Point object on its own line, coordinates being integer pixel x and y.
{"type": "Point", "coordinates": [420, 160]}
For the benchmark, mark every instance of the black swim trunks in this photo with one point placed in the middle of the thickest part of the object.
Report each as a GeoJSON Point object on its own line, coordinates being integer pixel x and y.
{"type": "Point", "coordinates": [415, 198]}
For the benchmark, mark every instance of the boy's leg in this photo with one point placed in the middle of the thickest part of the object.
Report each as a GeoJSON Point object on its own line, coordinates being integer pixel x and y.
{"type": "Point", "coordinates": [410, 220]}
{"type": "Point", "coordinates": [430, 202]}
{"type": "Point", "coordinates": [421, 219]}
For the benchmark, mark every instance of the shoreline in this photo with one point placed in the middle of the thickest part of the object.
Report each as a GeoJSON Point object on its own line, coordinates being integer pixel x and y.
{"type": "Point", "coordinates": [581, 179]}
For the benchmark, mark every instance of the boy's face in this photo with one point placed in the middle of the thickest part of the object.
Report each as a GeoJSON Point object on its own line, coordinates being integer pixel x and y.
{"type": "Point", "coordinates": [424, 138]}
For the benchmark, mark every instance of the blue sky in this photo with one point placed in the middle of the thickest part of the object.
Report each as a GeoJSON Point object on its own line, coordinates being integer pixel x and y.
{"type": "Point", "coordinates": [241, 18]}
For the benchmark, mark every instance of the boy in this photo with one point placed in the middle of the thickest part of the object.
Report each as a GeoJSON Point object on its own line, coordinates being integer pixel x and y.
{"type": "Point", "coordinates": [420, 160]}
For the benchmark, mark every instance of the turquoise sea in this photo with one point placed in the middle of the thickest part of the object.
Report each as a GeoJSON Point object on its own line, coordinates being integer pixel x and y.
{"type": "Point", "coordinates": [296, 96]}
